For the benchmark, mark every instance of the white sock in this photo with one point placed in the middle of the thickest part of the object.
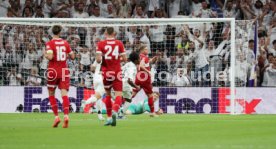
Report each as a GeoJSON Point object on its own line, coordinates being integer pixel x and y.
{"type": "Point", "coordinates": [125, 106]}
{"type": "Point", "coordinates": [92, 99]}
{"type": "Point", "coordinates": [99, 105]}
{"type": "Point", "coordinates": [109, 118]}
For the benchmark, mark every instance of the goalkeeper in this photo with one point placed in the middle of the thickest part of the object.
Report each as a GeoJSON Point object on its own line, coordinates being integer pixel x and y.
{"type": "Point", "coordinates": [142, 107]}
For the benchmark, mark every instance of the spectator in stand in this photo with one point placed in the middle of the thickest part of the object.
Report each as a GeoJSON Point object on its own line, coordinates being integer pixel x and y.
{"type": "Point", "coordinates": [4, 5]}
{"type": "Point", "coordinates": [230, 11]}
{"type": "Point", "coordinates": [156, 35]}
{"type": "Point", "coordinates": [247, 9]}
{"type": "Point", "coordinates": [153, 6]}
{"type": "Point", "coordinates": [176, 6]}
{"type": "Point", "coordinates": [80, 13]}
{"type": "Point", "coordinates": [39, 13]}
{"type": "Point", "coordinates": [96, 12]}
{"type": "Point", "coordinates": [124, 9]}
{"type": "Point", "coordinates": [28, 12]}
{"type": "Point", "coordinates": [33, 78]}
{"type": "Point", "coordinates": [140, 12]}
{"type": "Point", "coordinates": [103, 7]}
{"type": "Point", "coordinates": [28, 60]}
{"type": "Point", "coordinates": [170, 39]}
{"type": "Point", "coordinates": [13, 77]}
{"type": "Point", "coordinates": [273, 50]}
{"type": "Point", "coordinates": [241, 70]}
{"type": "Point", "coordinates": [209, 50]}
{"type": "Point", "coordinates": [49, 10]}
{"type": "Point", "coordinates": [143, 39]}
{"type": "Point", "coordinates": [270, 74]}
{"type": "Point", "coordinates": [111, 13]}
{"type": "Point", "coordinates": [181, 78]}
{"type": "Point", "coordinates": [85, 59]}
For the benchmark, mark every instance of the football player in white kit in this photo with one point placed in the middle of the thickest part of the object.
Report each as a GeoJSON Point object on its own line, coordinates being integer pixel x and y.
{"type": "Point", "coordinates": [98, 88]}
{"type": "Point", "coordinates": [129, 71]}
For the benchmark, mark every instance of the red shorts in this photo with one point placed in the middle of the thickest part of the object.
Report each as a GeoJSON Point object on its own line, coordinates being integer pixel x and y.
{"type": "Point", "coordinates": [61, 83]}
{"type": "Point", "coordinates": [145, 85]}
{"type": "Point", "coordinates": [113, 80]}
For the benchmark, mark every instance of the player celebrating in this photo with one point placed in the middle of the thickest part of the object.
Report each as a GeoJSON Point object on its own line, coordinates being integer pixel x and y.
{"type": "Point", "coordinates": [143, 78]}
{"type": "Point", "coordinates": [110, 52]}
{"type": "Point", "coordinates": [56, 52]}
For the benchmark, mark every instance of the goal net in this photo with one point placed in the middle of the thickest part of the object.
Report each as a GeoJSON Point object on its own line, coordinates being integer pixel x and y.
{"type": "Point", "coordinates": [200, 66]}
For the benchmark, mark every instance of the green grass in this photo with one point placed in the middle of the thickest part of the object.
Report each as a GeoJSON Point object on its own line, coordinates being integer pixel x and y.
{"type": "Point", "coordinates": [33, 131]}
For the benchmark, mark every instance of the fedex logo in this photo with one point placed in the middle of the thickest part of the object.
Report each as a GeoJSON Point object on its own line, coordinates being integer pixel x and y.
{"type": "Point", "coordinates": [30, 101]}
{"type": "Point", "coordinates": [218, 102]}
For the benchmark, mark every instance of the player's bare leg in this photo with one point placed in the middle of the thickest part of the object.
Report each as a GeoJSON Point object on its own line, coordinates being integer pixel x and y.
{"type": "Point", "coordinates": [94, 98]}
{"type": "Point", "coordinates": [151, 105]}
{"type": "Point", "coordinates": [54, 106]}
{"type": "Point", "coordinates": [65, 104]}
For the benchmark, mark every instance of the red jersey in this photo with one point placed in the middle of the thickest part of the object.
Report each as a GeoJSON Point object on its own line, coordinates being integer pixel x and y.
{"type": "Point", "coordinates": [111, 50]}
{"type": "Point", "coordinates": [145, 58]}
{"type": "Point", "coordinates": [60, 49]}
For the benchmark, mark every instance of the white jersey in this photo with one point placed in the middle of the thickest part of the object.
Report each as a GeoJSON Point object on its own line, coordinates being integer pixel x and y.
{"type": "Point", "coordinates": [85, 58]}
{"type": "Point", "coordinates": [98, 79]}
{"type": "Point", "coordinates": [129, 71]}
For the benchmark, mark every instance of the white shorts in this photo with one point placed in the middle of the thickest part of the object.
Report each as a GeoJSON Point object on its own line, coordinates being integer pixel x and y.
{"type": "Point", "coordinates": [127, 91]}
{"type": "Point", "coordinates": [98, 84]}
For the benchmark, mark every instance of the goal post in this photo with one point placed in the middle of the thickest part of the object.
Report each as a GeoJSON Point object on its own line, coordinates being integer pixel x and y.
{"type": "Point", "coordinates": [143, 25]}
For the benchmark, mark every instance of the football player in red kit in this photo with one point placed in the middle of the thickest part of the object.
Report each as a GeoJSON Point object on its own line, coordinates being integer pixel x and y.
{"type": "Point", "coordinates": [143, 78]}
{"type": "Point", "coordinates": [111, 52]}
{"type": "Point", "coordinates": [57, 52]}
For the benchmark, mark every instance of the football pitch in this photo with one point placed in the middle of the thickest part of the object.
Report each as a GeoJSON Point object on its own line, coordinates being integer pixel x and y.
{"type": "Point", "coordinates": [33, 131]}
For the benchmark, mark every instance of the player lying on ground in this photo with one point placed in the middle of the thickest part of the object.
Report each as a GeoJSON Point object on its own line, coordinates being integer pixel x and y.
{"type": "Point", "coordinates": [110, 52]}
{"type": "Point", "coordinates": [98, 88]}
{"type": "Point", "coordinates": [57, 51]}
{"type": "Point", "coordinates": [136, 108]}
{"type": "Point", "coordinates": [143, 106]}
{"type": "Point", "coordinates": [143, 78]}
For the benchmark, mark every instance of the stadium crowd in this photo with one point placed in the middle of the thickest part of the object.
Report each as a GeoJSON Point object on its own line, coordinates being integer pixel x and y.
{"type": "Point", "coordinates": [185, 52]}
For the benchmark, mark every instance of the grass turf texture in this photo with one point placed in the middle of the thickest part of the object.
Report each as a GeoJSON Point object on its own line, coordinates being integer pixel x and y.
{"type": "Point", "coordinates": [33, 131]}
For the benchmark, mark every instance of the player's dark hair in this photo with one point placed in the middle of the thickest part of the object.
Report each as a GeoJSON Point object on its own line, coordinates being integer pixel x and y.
{"type": "Point", "coordinates": [133, 56]}
{"type": "Point", "coordinates": [274, 41]}
{"type": "Point", "coordinates": [109, 30]}
{"type": "Point", "coordinates": [250, 41]}
{"type": "Point", "coordinates": [56, 29]}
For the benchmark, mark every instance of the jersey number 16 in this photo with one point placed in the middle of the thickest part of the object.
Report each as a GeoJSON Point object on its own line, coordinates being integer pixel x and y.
{"type": "Point", "coordinates": [61, 53]}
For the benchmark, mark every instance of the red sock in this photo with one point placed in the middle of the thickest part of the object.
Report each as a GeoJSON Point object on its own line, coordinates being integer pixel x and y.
{"type": "Point", "coordinates": [65, 105]}
{"type": "Point", "coordinates": [117, 104]}
{"type": "Point", "coordinates": [108, 104]}
{"type": "Point", "coordinates": [123, 101]}
{"type": "Point", "coordinates": [151, 104]}
{"type": "Point", "coordinates": [54, 105]}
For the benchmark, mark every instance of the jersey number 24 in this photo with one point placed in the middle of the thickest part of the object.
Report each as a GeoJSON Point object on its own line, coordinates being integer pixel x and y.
{"type": "Point", "coordinates": [111, 52]}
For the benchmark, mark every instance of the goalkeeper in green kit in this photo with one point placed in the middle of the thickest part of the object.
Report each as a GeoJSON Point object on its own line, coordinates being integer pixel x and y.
{"type": "Point", "coordinates": [142, 107]}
